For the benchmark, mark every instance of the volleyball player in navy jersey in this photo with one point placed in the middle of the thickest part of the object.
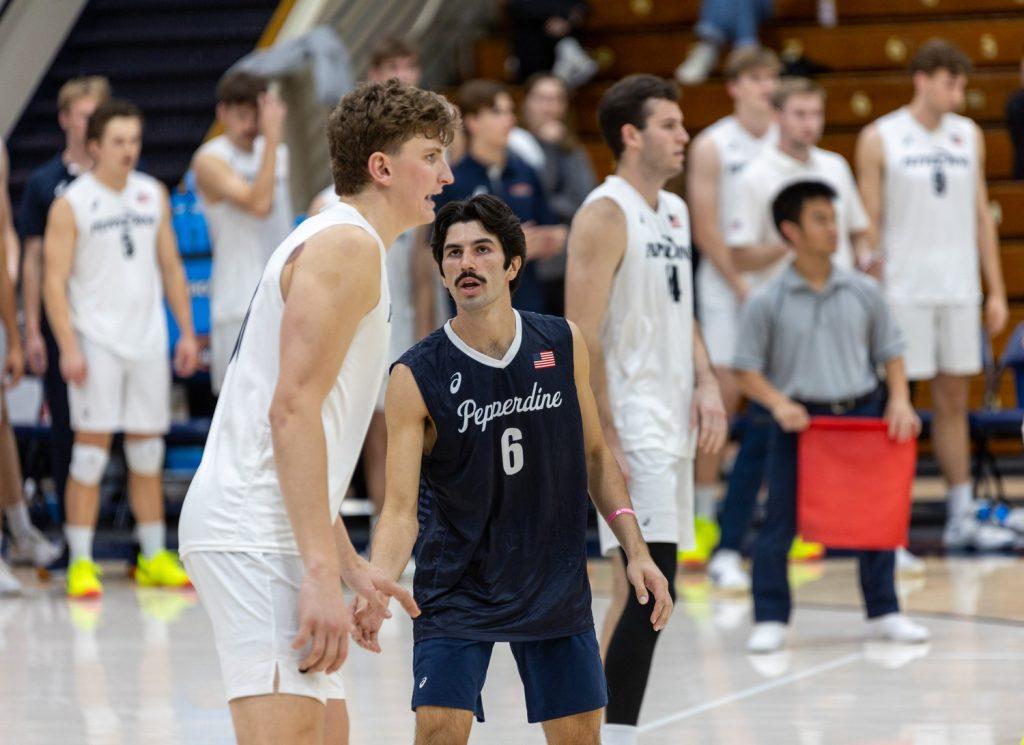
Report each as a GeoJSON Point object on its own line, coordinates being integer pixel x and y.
{"type": "Point", "coordinates": [493, 444]}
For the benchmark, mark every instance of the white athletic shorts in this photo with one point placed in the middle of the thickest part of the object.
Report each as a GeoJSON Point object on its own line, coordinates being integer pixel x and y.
{"type": "Point", "coordinates": [253, 603]}
{"type": "Point", "coordinates": [940, 339]}
{"type": "Point", "coordinates": [222, 343]}
{"type": "Point", "coordinates": [661, 487]}
{"type": "Point", "coordinates": [121, 395]}
{"type": "Point", "coordinates": [719, 325]}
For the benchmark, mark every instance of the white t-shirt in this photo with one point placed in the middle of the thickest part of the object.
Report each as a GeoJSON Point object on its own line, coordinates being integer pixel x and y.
{"type": "Point", "coordinates": [648, 328]}
{"type": "Point", "coordinates": [929, 228]}
{"type": "Point", "coordinates": [749, 221]}
{"type": "Point", "coordinates": [115, 290]}
{"type": "Point", "coordinates": [736, 148]}
{"type": "Point", "coordinates": [243, 242]}
{"type": "Point", "coordinates": [235, 501]}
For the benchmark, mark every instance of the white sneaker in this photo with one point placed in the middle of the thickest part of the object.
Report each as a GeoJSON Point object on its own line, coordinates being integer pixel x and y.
{"type": "Point", "coordinates": [967, 531]}
{"type": "Point", "coordinates": [572, 63]}
{"type": "Point", "coordinates": [767, 636]}
{"type": "Point", "coordinates": [896, 627]}
{"type": "Point", "coordinates": [9, 584]}
{"type": "Point", "coordinates": [35, 549]}
{"type": "Point", "coordinates": [698, 64]}
{"type": "Point", "coordinates": [726, 571]}
{"type": "Point", "coordinates": [907, 563]}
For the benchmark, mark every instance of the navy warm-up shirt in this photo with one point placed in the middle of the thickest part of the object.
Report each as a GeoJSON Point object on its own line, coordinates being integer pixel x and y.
{"type": "Point", "coordinates": [501, 553]}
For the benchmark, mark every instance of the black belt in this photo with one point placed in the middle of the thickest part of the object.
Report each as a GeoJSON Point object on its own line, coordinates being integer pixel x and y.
{"type": "Point", "coordinates": [840, 406]}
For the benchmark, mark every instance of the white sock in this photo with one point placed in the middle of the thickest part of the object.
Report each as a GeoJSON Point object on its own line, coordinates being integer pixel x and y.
{"type": "Point", "coordinates": [618, 734]}
{"type": "Point", "coordinates": [79, 539]}
{"type": "Point", "coordinates": [152, 537]}
{"type": "Point", "coordinates": [18, 521]}
{"type": "Point", "coordinates": [705, 498]}
{"type": "Point", "coordinates": [959, 498]}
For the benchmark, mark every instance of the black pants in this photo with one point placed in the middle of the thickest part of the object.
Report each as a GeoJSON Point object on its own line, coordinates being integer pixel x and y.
{"type": "Point", "coordinates": [61, 436]}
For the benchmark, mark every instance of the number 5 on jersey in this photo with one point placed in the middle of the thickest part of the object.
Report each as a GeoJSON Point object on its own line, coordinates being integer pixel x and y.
{"type": "Point", "coordinates": [512, 451]}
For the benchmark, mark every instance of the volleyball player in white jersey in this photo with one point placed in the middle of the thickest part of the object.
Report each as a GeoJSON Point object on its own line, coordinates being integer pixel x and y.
{"type": "Point", "coordinates": [391, 58]}
{"type": "Point", "coordinates": [259, 530]}
{"type": "Point", "coordinates": [242, 180]}
{"type": "Point", "coordinates": [717, 158]}
{"type": "Point", "coordinates": [628, 288]}
{"type": "Point", "coordinates": [922, 174]}
{"type": "Point", "coordinates": [110, 258]}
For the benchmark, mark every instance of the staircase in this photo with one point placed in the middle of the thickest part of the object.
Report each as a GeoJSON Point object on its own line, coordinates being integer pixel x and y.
{"type": "Point", "coordinates": [163, 55]}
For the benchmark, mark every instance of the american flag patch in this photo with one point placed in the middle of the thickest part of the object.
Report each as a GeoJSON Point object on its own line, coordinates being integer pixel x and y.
{"type": "Point", "coordinates": [543, 359]}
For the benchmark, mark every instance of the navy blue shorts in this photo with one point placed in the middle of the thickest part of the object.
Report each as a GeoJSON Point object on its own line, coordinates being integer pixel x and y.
{"type": "Point", "coordinates": [561, 677]}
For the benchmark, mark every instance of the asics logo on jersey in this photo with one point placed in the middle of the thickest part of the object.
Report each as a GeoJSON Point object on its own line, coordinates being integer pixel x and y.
{"type": "Point", "coordinates": [481, 415]}
{"type": "Point", "coordinates": [456, 382]}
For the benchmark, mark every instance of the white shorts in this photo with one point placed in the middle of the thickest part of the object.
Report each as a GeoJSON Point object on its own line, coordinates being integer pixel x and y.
{"type": "Point", "coordinates": [940, 339]}
{"type": "Point", "coordinates": [719, 325]}
{"type": "Point", "coordinates": [253, 603]}
{"type": "Point", "coordinates": [222, 344]}
{"type": "Point", "coordinates": [121, 395]}
{"type": "Point", "coordinates": [661, 487]}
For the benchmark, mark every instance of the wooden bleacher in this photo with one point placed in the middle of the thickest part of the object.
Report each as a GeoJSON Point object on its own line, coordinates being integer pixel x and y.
{"type": "Point", "coordinates": [866, 54]}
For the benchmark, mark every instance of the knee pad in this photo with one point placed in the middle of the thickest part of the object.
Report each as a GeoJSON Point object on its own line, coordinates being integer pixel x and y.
{"type": "Point", "coordinates": [145, 457]}
{"type": "Point", "coordinates": [88, 462]}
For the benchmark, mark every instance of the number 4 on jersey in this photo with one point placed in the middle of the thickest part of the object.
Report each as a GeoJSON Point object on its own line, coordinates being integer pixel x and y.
{"type": "Point", "coordinates": [674, 290]}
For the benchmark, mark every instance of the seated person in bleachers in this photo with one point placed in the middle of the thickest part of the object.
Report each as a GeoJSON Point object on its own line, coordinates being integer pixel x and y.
{"type": "Point", "coordinates": [544, 39]}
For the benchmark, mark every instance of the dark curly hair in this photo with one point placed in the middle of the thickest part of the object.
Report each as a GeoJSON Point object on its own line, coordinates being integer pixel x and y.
{"type": "Point", "coordinates": [497, 218]}
{"type": "Point", "coordinates": [380, 117]}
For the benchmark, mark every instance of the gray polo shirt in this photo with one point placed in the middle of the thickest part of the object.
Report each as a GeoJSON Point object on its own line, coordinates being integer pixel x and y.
{"type": "Point", "coordinates": [818, 346]}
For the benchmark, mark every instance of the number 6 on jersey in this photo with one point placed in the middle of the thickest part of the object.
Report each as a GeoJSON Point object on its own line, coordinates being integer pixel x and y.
{"type": "Point", "coordinates": [512, 451]}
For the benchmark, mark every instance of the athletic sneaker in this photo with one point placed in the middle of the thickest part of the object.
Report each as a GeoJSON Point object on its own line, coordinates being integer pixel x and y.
{"type": "Point", "coordinates": [163, 570]}
{"type": "Point", "coordinates": [727, 572]}
{"type": "Point", "coordinates": [35, 549]}
{"type": "Point", "coordinates": [976, 528]}
{"type": "Point", "coordinates": [84, 579]}
{"type": "Point", "coordinates": [907, 563]}
{"type": "Point", "coordinates": [572, 63]}
{"type": "Point", "coordinates": [802, 550]}
{"type": "Point", "coordinates": [706, 534]}
{"type": "Point", "coordinates": [9, 584]}
{"type": "Point", "coordinates": [698, 64]}
{"type": "Point", "coordinates": [767, 636]}
{"type": "Point", "coordinates": [896, 627]}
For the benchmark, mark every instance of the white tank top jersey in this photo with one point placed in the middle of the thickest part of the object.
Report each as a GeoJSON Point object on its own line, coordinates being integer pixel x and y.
{"type": "Point", "coordinates": [399, 266]}
{"type": "Point", "coordinates": [115, 290]}
{"type": "Point", "coordinates": [235, 501]}
{"type": "Point", "coordinates": [929, 219]}
{"type": "Point", "coordinates": [243, 242]}
{"type": "Point", "coordinates": [736, 147]}
{"type": "Point", "coordinates": [648, 329]}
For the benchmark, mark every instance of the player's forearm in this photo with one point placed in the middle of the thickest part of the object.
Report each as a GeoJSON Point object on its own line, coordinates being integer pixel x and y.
{"type": "Point", "coordinates": [599, 385]}
{"type": "Point", "coordinates": [758, 257]}
{"type": "Point", "coordinates": [176, 291]}
{"type": "Point", "coordinates": [608, 493]}
{"type": "Point", "coordinates": [756, 387]}
{"type": "Point", "coordinates": [8, 310]}
{"type": "Point", "coordinates": [261, 197]}
{"type": "Point", "coordinates": [704, 372]}
{"type": "Point", "coordinates": [394, 539]}
{"type": "Point", "coordinates": [31, 285]}
{"type": "Point", "coordinates": [988, 254]}
{"type": "Point", "coordinates": [300, 455]}
{"type": "Point", "coordinates": [58, 312]}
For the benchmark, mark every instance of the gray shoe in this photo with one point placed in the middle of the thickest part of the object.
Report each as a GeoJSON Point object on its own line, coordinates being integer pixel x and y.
{"type": "Point", "coordinates": [35, 549]}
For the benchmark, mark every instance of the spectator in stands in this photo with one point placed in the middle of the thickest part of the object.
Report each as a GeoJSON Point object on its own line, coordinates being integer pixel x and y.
{"type": "Point", "coordinates": [811, 343]}
{"type": "Point", "coordinates": [1015, 123]}
{"type": "Point", "coordinates": [10, 235]}
{"type": "Point", "coordinates": [544, 40]}
{"type": "Point", "coordinates": [552, 149]}
{"type": "Point", "coordinates": [76, 101]}
{"type": "Point", "coordinates": [29, 543]}
{"type": "Point", "coordinates": [242, 180]}
{"type": "Point", "coordinates": [111, 257]}
{"type": "Point", "coordinates": [490, 167]}
{"type": "Point", "coordinates": [721, 22]}
{"type": "Point", "coordinates": [922, 174]}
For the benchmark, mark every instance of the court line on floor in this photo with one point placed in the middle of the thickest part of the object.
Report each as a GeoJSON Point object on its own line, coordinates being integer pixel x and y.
{"type": "Point", "coordinates": [754, 691]}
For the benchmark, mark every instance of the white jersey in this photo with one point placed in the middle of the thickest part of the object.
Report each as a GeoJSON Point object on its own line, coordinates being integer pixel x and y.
{"type": "Point", "coordinates": [736, 148]}
{"type": "Point", "coordinates": [242, 242]}
{"type": "Point", "coordinates": [115, 290]}
{"type": "Point", "coordinates": [929, 228]}
{"type": "Point", "coordinates": [750, 222]}
{"type": "Point", "coordinates": [235, 501]}
{"type": "Point", "coordinates": [399, 267]}
{"type": "Point", "coordinates": [648, 329]}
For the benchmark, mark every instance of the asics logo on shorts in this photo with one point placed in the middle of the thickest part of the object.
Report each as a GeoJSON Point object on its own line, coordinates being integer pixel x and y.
{"type": "Point", "coordinates": [423, 682]}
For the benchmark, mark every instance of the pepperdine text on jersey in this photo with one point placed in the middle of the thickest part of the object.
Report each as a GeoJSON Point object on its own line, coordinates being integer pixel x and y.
{"type": "Point", "coordinates": [481, 415]}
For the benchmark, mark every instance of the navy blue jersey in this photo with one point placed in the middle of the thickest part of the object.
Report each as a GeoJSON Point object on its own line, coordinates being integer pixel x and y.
{"type": "Point", "coordinates": [501, 552]}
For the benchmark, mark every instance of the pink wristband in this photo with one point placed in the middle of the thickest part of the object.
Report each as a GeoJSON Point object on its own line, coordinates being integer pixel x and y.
{"type": "Point", "coordinates": [620, 511]}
